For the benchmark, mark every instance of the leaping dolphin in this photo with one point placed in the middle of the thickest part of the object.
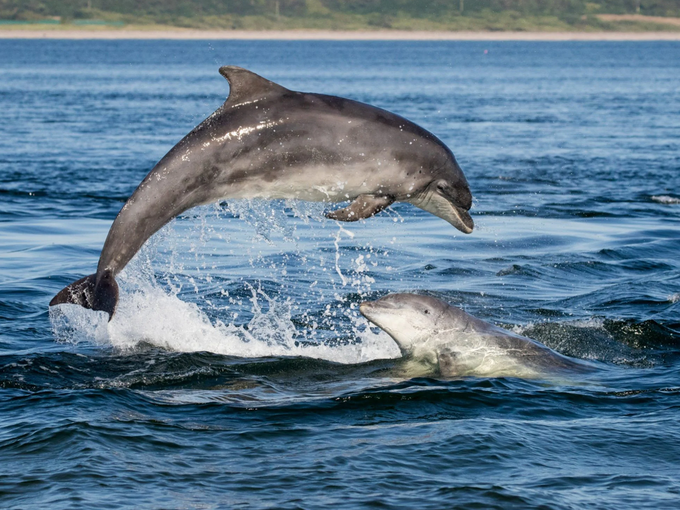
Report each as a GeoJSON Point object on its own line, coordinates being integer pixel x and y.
{"type": "Point", "coordinates": [431, 333]}
{"type": "Point", "coordinates": [267, 141]}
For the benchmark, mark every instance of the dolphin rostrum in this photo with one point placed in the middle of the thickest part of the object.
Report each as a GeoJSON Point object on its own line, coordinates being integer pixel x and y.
{"type": "Point", "coordinates": [267, 141]}
{"type": "Point", "coordinates": [431, 333]}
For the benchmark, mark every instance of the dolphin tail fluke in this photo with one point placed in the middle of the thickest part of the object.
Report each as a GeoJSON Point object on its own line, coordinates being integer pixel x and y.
{"type": "Point", "coordinates": [86, 293]}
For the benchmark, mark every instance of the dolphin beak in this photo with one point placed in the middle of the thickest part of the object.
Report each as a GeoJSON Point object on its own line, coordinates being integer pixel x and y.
{"type": "Point", "coordinates": [372, 309]}
{"type": "Point", "coordinates": [445, 209]}
{"type": "Point", "coordinates": [460, 219]}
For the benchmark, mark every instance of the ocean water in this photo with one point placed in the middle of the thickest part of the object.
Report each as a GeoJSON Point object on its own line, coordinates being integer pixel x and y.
{"type": "Point", "coordinates": [238, 372]}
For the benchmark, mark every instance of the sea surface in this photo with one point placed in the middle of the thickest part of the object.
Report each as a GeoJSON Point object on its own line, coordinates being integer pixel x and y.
{"type": "Point", "coordinates": [238, 372]}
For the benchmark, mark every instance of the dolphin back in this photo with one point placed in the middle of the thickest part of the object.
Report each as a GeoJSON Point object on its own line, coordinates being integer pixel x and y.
{"type": "Point", "coordinates": [86, 292]}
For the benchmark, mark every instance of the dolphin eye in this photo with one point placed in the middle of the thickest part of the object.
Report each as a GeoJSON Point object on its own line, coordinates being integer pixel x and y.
{"type": "Point", "coordinates": [426, 312]}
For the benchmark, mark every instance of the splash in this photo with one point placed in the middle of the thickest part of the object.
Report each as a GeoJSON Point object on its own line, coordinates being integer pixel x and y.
{"type": "Point", "coordinates": [666, 199]}
{"type": "Point", "coordinates": [157, 318]}
{"type": "Point", "coordinates": [175, 295]}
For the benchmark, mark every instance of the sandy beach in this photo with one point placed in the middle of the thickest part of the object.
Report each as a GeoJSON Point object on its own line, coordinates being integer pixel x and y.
{"type": "Point", "coordinates": [378, 35]}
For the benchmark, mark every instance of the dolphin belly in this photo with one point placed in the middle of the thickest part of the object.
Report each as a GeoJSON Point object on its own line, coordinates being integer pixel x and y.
{"type": "Point", "coordinates": [314, 183]}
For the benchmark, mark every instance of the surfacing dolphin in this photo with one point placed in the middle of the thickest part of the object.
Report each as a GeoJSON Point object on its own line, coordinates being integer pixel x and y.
{"type": "Point", "coordinates": [431, 333]}
{"type": "Point", "coordinates": [267, 141]}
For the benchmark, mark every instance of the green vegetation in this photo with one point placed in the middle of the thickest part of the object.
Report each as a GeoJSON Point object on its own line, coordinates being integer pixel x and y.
{"type": "Point", "coordinates": [348, 14]}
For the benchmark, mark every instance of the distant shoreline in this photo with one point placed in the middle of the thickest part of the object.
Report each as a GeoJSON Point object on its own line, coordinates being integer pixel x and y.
{"type": "Point", "coordinates": [377, 35]}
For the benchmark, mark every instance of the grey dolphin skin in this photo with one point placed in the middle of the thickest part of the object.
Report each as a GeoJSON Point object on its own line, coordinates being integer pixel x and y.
{"type": "Point", "coordinates": [267, 141]}
{"type": "Point", "coordinates": [430, 332]}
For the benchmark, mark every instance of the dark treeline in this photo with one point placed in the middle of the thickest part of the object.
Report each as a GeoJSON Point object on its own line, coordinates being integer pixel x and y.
{"type": "Point", "coordinates": [166, 10]}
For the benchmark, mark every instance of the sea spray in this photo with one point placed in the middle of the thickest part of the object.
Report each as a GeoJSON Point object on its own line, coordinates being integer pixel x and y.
{"type": "Point", "coordinates": [181, 292]}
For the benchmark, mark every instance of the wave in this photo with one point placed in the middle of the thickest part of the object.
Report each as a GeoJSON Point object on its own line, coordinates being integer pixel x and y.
{"type": "Point", "coordinates": [159, 377]}
{"type": "Point", "coordinates": [622, 342]}
{"type": "Point", "coordinates": [665, 199]}
{"type": "Point", "coordinates": [183, 305]}
{"type": "Point", "coordinates": [280, 300]}
{"type": "Point", "coordinates": [151, 317]}
{"type": "Point", "coordinates": [154, 317]}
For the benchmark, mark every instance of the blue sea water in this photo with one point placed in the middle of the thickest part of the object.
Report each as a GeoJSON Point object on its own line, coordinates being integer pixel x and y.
{"type": "Point", "coordinates": [238, 372]}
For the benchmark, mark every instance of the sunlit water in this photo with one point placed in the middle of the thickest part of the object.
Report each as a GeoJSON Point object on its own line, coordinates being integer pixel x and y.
{"type": "Point", "coordinates": [238, 371]}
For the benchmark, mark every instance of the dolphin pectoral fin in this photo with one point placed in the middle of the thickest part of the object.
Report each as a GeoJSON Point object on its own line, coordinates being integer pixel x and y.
{"type": "Point", "coordinates": [363, 206]}
{"type": "Point", "coordinates": [88, 294]}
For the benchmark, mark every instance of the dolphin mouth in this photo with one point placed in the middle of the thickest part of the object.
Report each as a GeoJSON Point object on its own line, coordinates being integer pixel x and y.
{"type": "Point", "coordinates": [446, 209]}
{"type": "Point", "coordinates": [370, 309]}
{"type": "Point", "coordinates": [465, 223]}
{"type": "Point", "coordinates": [373, 311]}
{"type": "Point", "coordinates": [367, 308]}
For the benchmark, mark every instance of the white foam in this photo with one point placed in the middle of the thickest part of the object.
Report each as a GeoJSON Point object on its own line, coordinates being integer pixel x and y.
{"type": "Point", "coordinates": [155, 317]}
{"type": "Point", "coordinates": [150, 312]}
{"type": "Point", "coordinates": [666, 199]}
{"type": "Point", "coordinates": [674, 298]}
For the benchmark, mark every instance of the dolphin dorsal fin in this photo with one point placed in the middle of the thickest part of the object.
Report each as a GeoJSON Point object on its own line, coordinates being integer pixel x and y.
{"type": "Point", "coordinates": [245, 86]}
